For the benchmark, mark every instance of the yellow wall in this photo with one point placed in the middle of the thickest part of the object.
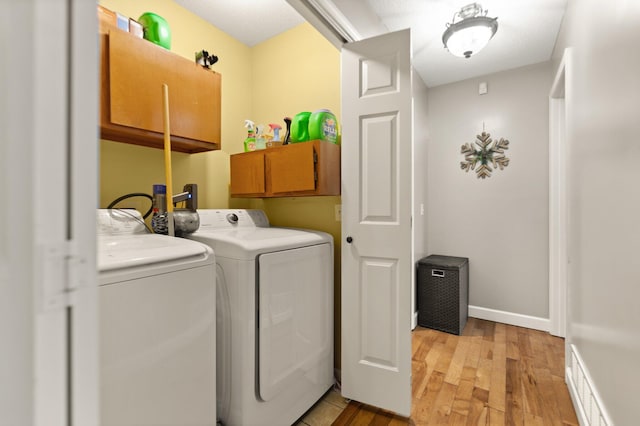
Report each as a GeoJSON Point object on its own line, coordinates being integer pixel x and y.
{"type": "Point", "coordinates": [295, 71]}
{"type": "Point", "coordinates": [299, 70]}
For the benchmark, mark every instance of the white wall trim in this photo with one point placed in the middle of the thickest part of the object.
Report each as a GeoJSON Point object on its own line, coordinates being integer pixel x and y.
{"type": "Point", "coordinates": [332, 14]}
{"type": "Point", "coordinates": [558, 192]}
{"type": "Point", "coordinates": [586, 400]}
{"type": "Point", "coordinates": [510, 318]}
{"type": "Point", "coordinates": [325, 17]}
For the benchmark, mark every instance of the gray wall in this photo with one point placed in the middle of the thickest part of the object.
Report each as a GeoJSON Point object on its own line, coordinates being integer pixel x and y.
{"type": "Point", "coordinates": [603, 97]}
{"type": "Point", "coordinates": [499, 223]}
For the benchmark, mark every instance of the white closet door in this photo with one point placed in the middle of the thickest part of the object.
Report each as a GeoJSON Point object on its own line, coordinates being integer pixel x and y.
{"type": "Point", "coordinates": [376, 221]}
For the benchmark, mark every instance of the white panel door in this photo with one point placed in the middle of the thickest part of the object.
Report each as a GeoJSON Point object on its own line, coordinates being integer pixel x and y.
{"type": "Point", "coordinates": [376, 227]}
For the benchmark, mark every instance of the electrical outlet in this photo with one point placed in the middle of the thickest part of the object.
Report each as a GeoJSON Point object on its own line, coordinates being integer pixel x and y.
{"type": "Point", "coordinates": [338, 210]}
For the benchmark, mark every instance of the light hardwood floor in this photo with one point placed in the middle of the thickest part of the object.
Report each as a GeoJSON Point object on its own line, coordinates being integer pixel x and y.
{"type": "Point", "coordinates": [493, 374]}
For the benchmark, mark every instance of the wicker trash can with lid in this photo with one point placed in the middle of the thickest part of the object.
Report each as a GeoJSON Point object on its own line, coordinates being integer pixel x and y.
{"type": "Point", "coordinates": [443, 293]}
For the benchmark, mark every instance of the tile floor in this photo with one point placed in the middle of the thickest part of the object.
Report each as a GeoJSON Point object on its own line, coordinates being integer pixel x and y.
{"type": "Point", "coordinates": [325, 411]}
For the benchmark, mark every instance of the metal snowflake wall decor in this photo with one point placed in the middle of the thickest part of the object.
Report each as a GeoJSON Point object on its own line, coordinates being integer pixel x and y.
{"type": "Point", "coordinates": [490, 154]}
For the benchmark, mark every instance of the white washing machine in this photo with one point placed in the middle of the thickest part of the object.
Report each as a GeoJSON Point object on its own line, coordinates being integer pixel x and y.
{"type": "Point", "coordinates": [157, 325]}
{"type": "Point", "coordinates": [275, 316]}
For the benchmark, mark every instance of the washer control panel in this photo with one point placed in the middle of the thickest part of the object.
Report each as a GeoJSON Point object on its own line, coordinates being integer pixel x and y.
{"type": "Point", "coordinates": [119, 222]}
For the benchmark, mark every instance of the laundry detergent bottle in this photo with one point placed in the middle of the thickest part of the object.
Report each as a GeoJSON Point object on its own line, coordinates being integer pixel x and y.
{"type": "Point", "coordinates": [323, 125]}
{"type": "Point", "coordinates": [300, 127]}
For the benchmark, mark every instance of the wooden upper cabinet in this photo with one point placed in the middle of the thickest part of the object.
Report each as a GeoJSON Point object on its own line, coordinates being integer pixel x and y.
{"type": "Point", "coordinates": [301, 169]}
{"type": "Point", "coordinates": [133, 71]}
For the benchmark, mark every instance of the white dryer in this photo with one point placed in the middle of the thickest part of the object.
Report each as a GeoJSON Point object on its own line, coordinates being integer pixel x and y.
{"type": "Point", "coordinates": [156, 325]}
{"type": "Point", "coordinates": [275, 316]}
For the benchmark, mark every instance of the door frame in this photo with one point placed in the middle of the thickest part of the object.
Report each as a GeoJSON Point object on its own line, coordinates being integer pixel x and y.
{"type": "Point", "coordinates": [47, 238]}
{"type": "Point", "coordinates": [559, 102]}
{"type": "Point", "coordinates": [83, 141]}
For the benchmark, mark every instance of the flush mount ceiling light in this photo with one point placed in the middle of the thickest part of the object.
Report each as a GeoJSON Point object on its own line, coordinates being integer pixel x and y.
{"type": "Point", "coordinates": [471, 32]}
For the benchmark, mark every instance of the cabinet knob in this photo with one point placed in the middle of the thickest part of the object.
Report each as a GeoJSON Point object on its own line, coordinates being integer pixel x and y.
{"type": "Point", "coordinates": [349, 240]}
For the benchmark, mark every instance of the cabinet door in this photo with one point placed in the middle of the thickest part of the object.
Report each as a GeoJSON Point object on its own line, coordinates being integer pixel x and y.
{"type": "Point", "coordinates": [248, 174]}
{"type": "Point", "coordinates": [292, 168]}
{"type": "Point", "coordinates": [137, 71]}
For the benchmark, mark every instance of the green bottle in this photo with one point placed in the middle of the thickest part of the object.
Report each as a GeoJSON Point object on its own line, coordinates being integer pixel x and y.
{"type": "Point", "coordinates": [323, 125]}
{"type": "Point", "coordinates": [300, 127]}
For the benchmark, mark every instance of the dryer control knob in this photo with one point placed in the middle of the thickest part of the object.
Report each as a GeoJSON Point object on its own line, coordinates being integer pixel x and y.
{"type": "Point", "coordinates": [232, 218]}
{"type": "Point", "coordinates": [349, 240]}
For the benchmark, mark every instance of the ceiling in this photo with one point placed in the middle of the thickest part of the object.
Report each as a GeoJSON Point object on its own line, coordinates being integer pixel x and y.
{"type": "Point", "coordinates": [527, 29]}
{"type": "Point", "coordinates": [250, 21]}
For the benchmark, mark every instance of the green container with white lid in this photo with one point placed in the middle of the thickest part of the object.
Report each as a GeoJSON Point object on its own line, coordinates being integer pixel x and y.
{"type": "Point", "coordinates": [323, 125]}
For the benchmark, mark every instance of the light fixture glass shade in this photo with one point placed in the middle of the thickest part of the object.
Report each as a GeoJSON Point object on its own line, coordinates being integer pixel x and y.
{"type": "Point", "coordinates": [470, 35]}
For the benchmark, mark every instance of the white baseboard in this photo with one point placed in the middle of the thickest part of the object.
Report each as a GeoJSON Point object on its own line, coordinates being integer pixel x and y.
{"type": "Point", "coordinates": [510, 318]}
{"type": "Point", "coordinates": [586, 401]}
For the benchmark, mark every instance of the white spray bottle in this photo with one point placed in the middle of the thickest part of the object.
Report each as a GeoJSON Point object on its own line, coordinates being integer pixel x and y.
{"type": "Point", "coordinates": [261, 140]}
